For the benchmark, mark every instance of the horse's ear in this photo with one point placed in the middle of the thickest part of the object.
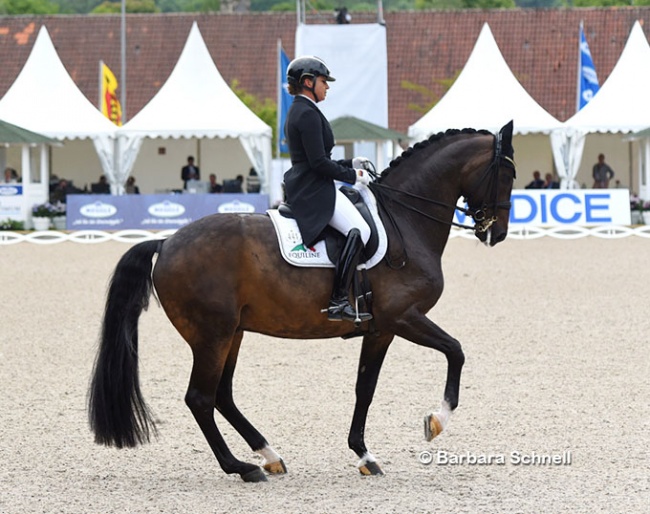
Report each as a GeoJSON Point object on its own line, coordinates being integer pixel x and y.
{"type": "Point", "coordinates": [506, 132]}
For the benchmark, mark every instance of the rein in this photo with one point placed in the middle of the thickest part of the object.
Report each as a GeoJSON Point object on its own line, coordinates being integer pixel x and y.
{"type": "Point", "coordinates": [481, 222]}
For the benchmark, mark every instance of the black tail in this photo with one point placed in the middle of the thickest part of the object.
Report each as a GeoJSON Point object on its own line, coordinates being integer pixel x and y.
{"type": "Point", "coordinates": [117, 412]}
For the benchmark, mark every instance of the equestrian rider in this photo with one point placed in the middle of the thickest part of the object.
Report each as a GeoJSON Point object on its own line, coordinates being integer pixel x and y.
{"type": "Point", "coordinates": [309, 183]}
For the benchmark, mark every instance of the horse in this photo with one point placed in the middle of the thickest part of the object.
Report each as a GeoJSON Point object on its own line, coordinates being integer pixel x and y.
{"type": "Point", "coordinates": [223, 275]}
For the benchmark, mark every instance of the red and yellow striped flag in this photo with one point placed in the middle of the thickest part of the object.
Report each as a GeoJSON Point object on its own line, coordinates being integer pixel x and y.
{"type": "Point", "coordinates": [111, 107]}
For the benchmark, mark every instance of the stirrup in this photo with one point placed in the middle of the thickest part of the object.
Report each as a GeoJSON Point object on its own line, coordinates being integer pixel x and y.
{"type": "Point", "coordinates": [344, 311]}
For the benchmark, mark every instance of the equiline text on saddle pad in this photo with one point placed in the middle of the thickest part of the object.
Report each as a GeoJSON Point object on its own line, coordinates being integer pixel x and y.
{"type": "Point", "coordinates": [320, 255]}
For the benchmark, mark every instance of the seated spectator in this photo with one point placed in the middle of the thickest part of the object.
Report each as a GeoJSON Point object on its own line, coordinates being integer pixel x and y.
{"type": "Point", "coordinates": [234, 186]}
{"type": "Point", "coordinates": [62, 190]}
{"type": "Point", "coordinates": [213, 185]}
{"type": "Point", "coordinates": [253, 184]}
{"type": "Point", "coordinates": [549, 183]}
{"type": "Point", "coordinates": [11, 176]}
{"type": "Point", "coordinates": [102, 187]}
{"type": "Point", "coordinates": [130, 188]}
{"type": "Point", "coordinates": [537, 182]}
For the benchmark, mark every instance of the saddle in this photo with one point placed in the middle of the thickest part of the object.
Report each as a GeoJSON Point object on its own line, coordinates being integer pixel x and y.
{"type": "Point", "coordinates": [334, 240]}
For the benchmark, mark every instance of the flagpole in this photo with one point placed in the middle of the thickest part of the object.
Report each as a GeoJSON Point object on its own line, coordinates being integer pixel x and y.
{"type": "Point", "coordinates": [99, 104]}
{"type": "Point", "coordinates": [123, 64]}
{"type": "Point", "coordinates": [279, 109]}
{"type": "Point", "coordinates": [579, 73]}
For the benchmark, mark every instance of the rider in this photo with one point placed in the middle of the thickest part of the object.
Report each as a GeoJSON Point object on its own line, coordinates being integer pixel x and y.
{"type": "Point", "coordinates": [309, 183]}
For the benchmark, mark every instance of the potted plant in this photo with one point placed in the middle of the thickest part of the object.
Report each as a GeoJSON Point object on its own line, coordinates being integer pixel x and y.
{"type": "Point", "coordinates": [637, 206]}
{"type": "Point", "coordinates": [45, 213]}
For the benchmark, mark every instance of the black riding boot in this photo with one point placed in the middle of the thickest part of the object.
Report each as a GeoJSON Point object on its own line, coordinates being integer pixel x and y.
{"type": "Point", "coordinates": [339, 307]}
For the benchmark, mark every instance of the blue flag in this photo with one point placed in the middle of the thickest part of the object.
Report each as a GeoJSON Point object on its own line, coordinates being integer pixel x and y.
{"type": "Point", "coordinates": [285, 101]}
{"type": "Point", "coordinates": [587, 80]}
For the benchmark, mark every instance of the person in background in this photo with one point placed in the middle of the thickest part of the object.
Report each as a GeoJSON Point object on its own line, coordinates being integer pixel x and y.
{"type": "Point", "coordinates": [62, 190]}
{"type": "Point", "coordinates": [213, 185]}
{"type": "Point", "coordinates": [549, 183]}
{"type": "Point", "coordinates": [537, 182]}
{"type": "Point", "coordinates": [602, 173]}
{"type": "Point", "coordinates": [11, 176]}
{"type": "Point", "coordinates": [253, 184]}
{"type": "Point", "coordinates": [190, 172]}
{"type": "Point", "coordinates": [130, 188]}
{"type": "Point", "coordinates": [101, 187]}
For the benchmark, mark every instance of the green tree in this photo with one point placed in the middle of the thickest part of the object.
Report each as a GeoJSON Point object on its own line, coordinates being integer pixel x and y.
{"type": "Point", "coordinates": [188, 5]}
{"type": "Point", "coordinates": [132, 6]}
{"type": "Point", "coordinates": [428, 98]}
{"type": "Point", "coordinates": [266, 110]}
{"type": "Point", "coordinates": [464, 4]}
{"type": "Point", "coordinates": [28, 7]}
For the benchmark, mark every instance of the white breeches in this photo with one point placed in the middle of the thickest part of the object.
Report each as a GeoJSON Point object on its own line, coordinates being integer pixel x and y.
{"type": "Point", "coordinates": [346, 217]}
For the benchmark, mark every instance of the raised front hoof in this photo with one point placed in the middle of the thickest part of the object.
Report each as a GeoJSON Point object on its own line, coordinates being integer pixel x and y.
{"type": "Point", "coordinates": [275, 468]}
{"type": "Point", "coordinates": [432, 427]}
{"type": "Point", "coordinates": [370, 468]}
{"type": "Point", "coordinates": [255, 475]}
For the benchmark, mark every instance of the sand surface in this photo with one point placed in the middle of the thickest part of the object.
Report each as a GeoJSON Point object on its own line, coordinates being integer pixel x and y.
{"type": "Point", "coordinates": [556, 337]}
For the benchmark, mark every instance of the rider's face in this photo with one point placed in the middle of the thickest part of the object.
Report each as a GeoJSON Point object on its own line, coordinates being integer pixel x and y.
{"type": "Point", "coordinates": [320, 87]}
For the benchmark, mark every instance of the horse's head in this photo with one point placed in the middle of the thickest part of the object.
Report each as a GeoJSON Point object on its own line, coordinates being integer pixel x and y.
{"type": "Point", "coordinates": [488, 190]}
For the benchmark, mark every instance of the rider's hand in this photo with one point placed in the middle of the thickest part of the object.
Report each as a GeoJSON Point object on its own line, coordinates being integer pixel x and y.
{"type": "Point", "coordinates": [363, 177]}
{"type": "Point", "coordinates": [363, 163]}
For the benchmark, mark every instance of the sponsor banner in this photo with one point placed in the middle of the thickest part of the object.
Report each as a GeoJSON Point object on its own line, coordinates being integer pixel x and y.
{"type": "Point", "coordinates": [154, 212]}
{"type": "Point", "coordinates": [11, 201]}
{"type": "Point", "coordinates": [563, 207]}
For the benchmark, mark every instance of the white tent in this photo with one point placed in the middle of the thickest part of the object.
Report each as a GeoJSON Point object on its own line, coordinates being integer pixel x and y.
{"type": "Point", "coordinates": [622, 104]}
{"type": "Point", "coordinates": [45, 99]}
{"type": "Point", "coordinates": [195, 103]}
{"type": "Point", "coordinates": [486, 95]}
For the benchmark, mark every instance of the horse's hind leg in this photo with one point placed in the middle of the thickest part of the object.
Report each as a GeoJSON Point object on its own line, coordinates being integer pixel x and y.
{"type": "Point", "coordinates": [225, 404]}
{"type": "Point", "coordinates": [207, 371]}
{"type": "Point", "coordinates": [373, 351]}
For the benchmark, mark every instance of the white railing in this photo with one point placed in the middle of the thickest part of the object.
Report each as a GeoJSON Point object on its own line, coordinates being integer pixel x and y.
{"type": "Point", "coordinates": [136, 236]}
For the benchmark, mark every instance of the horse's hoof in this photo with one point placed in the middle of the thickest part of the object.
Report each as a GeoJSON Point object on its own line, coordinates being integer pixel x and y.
{"type": "Point", "coordinates": [432, 427]}
{"type": "Point", "coordinates": [276, 468]}
{"type": "Point", "coordinates": [256, 475]}
{"type": "Point", "coordinates": [370, 468]}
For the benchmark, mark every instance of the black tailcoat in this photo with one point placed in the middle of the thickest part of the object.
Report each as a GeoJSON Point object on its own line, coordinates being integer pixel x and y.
{"type": "Point", "coordinates": [309, 183]}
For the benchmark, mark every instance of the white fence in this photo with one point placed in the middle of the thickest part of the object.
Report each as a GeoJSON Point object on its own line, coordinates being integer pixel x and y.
{"type": "Point", "coordinates": [135, 236]}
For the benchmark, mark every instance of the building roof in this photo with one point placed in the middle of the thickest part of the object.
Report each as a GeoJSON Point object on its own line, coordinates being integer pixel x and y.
{"type": "Point", "coordinates": [424, 48]}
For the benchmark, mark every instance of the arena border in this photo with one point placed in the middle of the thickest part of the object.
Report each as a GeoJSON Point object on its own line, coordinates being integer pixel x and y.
{"type": "Point", "coordinates": [136, 236]}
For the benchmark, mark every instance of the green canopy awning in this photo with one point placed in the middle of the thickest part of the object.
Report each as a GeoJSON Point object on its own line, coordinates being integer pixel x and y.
{"type": "Point", "coordinates": [13, 134]}
{"type": "Point", "coordinates": [349, 128]}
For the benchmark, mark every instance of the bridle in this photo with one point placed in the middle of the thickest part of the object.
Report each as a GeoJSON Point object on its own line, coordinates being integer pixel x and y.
{"type": "Point", "coordinates": [482, 222]}
{"type": "Point", "coordinates": [479, 214]}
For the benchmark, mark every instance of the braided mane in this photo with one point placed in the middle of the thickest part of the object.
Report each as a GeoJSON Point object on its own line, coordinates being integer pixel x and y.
{"type": "Point", "coordinates": [425, 144]}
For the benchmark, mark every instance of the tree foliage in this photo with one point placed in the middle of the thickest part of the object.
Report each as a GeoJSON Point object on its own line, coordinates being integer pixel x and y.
{"type": "Point", "coordinates": [28, 7]}
{"type": "Point", "coordinates": [266, 110]}
{"type": "Point", "coordinates": [131, 6]}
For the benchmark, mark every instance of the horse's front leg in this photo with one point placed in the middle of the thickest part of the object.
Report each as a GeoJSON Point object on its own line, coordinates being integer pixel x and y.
{"type": "Point", "coordinates": [373, 351]}
{"type": "Point", "coordinates": [419, 329]}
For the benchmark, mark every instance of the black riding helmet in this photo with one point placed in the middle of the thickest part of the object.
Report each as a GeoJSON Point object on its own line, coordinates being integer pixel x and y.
{"type": "Point", "coordinates": [307, 66]}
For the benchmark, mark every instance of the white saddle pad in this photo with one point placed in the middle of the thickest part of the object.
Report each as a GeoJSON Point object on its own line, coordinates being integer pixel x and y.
{"type": "Point", "coordinates": [295, 252]}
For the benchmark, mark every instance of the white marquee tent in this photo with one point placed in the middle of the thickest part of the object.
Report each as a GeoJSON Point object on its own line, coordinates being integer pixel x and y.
{"type": "Point", "coordinates": [196, 103]}
{"type": "Point", "coordinates": [486, 95]}
{"type": "Point", "coordinates": [45, 99]}
{"type": "Point", "coordinates": [621, 106]}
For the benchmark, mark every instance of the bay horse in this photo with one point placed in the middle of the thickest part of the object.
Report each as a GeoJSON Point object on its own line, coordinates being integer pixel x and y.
{"type": "Point", "coordinates": [223, 275]}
